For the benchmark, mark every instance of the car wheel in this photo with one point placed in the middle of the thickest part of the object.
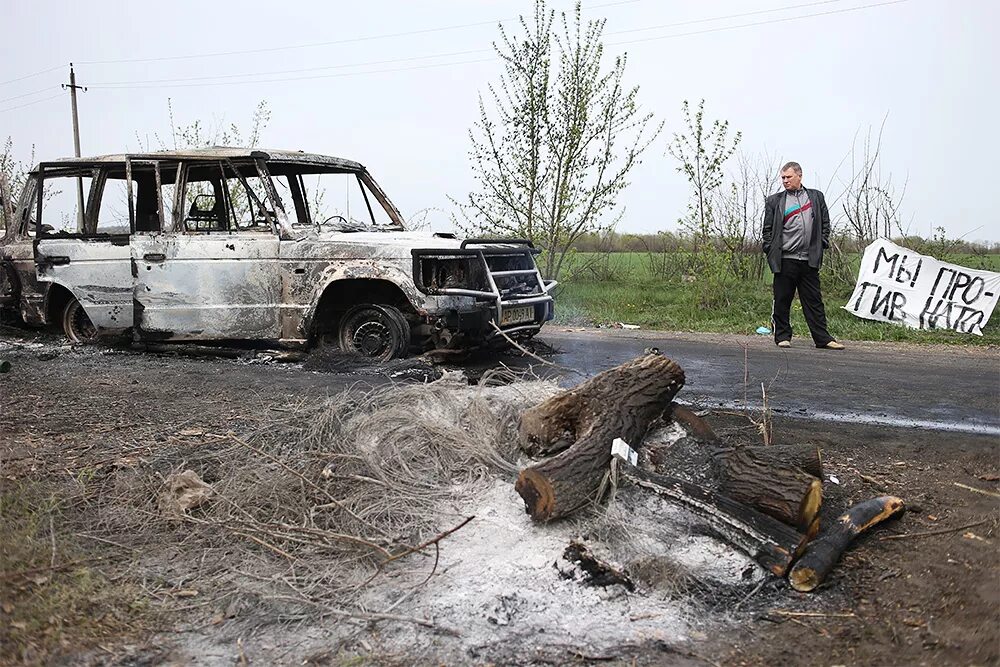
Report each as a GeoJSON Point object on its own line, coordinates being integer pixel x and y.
{"type": "Point", "coordinates": [77, 325]}
{"type": "Point", "coordinates": [374, 331]}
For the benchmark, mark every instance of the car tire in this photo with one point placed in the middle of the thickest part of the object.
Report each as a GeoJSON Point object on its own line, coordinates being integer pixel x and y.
{"type": "Point", "coordinates": [375, 331]}
{"type": "Point", "coordinates": [76, 324]}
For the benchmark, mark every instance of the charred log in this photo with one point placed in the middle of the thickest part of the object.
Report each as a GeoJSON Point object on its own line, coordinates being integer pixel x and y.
{"type": "Point", "coordinates": [805, 457]}
{"type": "Point", "coordinates": [773, 484]}
{"type": "Point", "coordinates": [695, 426]}
{"type": "Point", "coordinates": [579, 425]}
{"type": "Point", "coordinates": [772, 544]}
{"type": "Point", "coordinates": [823, 553]}
{"type": "Point", "coordinates": [596, 572]}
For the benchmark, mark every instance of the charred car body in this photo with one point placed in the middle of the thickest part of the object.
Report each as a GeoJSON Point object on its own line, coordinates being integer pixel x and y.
{"type": "Point", "coordinates": [233, 244]}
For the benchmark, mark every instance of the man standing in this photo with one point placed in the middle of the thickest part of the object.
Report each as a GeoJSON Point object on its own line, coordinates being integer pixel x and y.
{"type": "Point", "coordinates": [796, 231]}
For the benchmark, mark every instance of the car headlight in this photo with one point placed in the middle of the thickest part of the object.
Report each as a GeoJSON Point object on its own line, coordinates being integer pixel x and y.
{"type": "Point", "coordinates": [460, 272]}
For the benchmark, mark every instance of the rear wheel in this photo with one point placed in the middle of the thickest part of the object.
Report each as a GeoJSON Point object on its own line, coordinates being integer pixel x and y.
{"type": "Point", "coordinates": [77, 325]}
{"type": "Point", "coordinates": [374, 331]}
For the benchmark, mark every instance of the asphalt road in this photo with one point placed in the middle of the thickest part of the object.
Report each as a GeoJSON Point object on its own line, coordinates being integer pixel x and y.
{"type": "Point", "coordinates": [945, 388]}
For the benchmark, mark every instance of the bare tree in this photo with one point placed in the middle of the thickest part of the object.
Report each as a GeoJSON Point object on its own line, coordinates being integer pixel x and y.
{"type": "Point", "coordinates": [737, 211]}
{"type": "Point", "coordinates": [554, 145]}
{"type": "Point", "coordinates": [6, 204]}
{"type": "Point", "coordinates": [197, 134]}
{"type": "Point", "coordinates": [869, 205]}
{"type": "Point", "coordinates": [869, 200]}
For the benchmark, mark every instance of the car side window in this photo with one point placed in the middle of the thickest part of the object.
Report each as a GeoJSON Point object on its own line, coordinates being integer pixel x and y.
{"type": "Point", "coordinates": [339, 200]}
{"type": "Point", "coordinates": [112, 218]}
{"type": "Point", "coordinates": [62, 195]}
{"type": "Point", "coordinates": [221, 197]}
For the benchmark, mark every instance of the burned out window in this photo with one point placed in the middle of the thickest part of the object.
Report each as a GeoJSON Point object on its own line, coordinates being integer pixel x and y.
{"type": "Point", "coordinates": [340, 201]}
{"type": "Point", "coordinates": [114, 209]}
{"type": "Point", "coordinates": [222, 197]}
{"type": "Point", "coordinates": [167, 192]}
{"type": "Point", "coordinates": [62, 196]}
{"type": "Point", "coordinates": [112, 218]}
{"type": "Point", "coordinates": [284, 189]}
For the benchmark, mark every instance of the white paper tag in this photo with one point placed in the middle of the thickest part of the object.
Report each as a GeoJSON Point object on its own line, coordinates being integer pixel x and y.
{"type": "Point", "coordinates": [621, 449]}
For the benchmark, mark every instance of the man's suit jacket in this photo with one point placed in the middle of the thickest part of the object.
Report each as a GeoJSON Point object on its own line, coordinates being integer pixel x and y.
{"type": "Point", "coordinates": [774, 215]}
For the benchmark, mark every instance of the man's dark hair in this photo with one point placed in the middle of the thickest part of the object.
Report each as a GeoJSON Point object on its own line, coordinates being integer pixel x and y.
{"type": "Point", "coordinates": [793, 165]}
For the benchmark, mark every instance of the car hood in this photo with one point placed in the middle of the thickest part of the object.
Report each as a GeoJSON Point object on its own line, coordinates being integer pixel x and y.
{"type": "Point", "coordinates": [396, 243]}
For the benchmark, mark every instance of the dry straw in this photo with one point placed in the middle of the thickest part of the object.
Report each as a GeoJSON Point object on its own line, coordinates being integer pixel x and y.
{"type": "Point", "coordinates": [313, 506]}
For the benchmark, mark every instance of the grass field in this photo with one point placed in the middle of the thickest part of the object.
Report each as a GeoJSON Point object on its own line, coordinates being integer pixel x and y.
{"type": "Point", "coordinates": [621, 287]}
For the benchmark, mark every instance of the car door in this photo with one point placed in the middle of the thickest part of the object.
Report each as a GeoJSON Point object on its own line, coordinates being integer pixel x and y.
{"type": "Point", "coordinates": [211, 271]}
{"type": "Point", "coordinates": [82, 242]}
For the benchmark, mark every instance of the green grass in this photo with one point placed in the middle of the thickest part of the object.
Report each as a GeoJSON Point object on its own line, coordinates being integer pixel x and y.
{"type": "Point", "coordinates": [621, 288]}
{"type": "Point", "coordinates": [55, 599]}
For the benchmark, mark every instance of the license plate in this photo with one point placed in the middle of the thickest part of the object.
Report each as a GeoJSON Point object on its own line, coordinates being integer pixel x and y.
{"type": "Point", "coordinates": [516, 315]}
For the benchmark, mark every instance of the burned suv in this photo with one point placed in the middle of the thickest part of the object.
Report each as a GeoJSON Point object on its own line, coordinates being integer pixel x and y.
{"type": "Point", "coordinates": [237, 244]}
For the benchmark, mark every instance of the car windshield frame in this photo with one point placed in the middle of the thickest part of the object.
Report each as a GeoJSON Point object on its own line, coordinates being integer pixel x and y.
{"type": "Point", "coordinates": [294, 170]}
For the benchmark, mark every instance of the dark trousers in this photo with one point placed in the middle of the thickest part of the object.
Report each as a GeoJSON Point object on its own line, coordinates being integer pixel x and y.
{"type": "Point", "coordinates": [798, 275]}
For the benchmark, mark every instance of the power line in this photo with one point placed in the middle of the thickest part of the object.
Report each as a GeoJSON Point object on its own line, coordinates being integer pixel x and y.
{"type": "Point", "coordinates": [28, 76]}
{"type": "Point", "coordinates": [125, 85]}
{"type": "Point", "coordinates": [298, 78]}
{"type": "Point", "coordinates": [34, 92]}
{"type": "Point", "coordinates": [386, 36]}
{"type": "Point", "coordinates": [350, 40]}
{"type": "Point", "coordinates": [446, 55]}
{"type": "Point", "coordinates": [438, 55]}
{"type": "Point", "coordinates": [214, 80]}
{"type": "Point", "coordinates": [21, 106]}
{"type": "Point", "coordinates": [759, 23]}
{"type": "Point", "coordinates": [295, 46]}
{"type": "Point", "coordinates": [725, 18]}
{"type": "Point", "coordinates": [294, 71]}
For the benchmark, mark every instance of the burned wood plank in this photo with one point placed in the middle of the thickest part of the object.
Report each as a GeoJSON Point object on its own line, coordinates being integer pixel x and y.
{"type": "Point", "coordinates": [597, 571]}
{"type": "Point", "coordinates": [769, 542]}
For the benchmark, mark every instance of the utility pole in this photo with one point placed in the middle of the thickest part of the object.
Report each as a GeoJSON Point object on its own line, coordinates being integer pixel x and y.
{"type": "Point", "coordinates": [76, 144]}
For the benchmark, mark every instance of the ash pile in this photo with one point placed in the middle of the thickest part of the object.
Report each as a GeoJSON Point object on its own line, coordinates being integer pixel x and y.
{"type": "Point", "coordinates": [508, 522]}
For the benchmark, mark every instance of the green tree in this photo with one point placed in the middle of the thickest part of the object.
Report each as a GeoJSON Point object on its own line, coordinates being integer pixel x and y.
{"type": "Point", "coordinates": [702, 153]}
{"type": "Point", "coordinates": [197, 134]}
{"type": "Point", "coordinates": [13, 174]}
{"type": "Point", "coordinates": [555, 141]}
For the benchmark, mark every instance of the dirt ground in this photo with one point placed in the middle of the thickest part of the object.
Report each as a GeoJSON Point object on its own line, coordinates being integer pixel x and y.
{"type": "Point", "coordinates": [73, 590]}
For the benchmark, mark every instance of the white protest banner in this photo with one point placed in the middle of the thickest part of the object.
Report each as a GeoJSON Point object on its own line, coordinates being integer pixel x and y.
{"type": "Point", "coordinates": [904, 287]}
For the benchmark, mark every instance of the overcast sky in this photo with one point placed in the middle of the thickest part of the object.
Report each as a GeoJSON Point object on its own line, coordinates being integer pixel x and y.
{"type": "Point", "coordinates": [800, 89]}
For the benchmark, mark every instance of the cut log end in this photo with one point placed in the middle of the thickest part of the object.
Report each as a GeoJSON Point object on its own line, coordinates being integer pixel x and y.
{"type": "Point", "coordinates": [775, 559]}
{"type": "Point", "coordinates": [804, 579]}
{"type": "Point", "coordinates": [537, 493]}
{"type": "Point", "coordinates": [891, 505]}
{"type": "Point", "coordinates": [823, 553]}
{"type": "Point", "coordinates": [809, 508]}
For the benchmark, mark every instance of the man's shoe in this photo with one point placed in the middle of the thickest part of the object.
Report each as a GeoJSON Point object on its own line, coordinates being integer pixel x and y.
{"type": "Point", "coordinates": [786, 343]}
{"type": "Point", "coordinates": [833, 345]}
